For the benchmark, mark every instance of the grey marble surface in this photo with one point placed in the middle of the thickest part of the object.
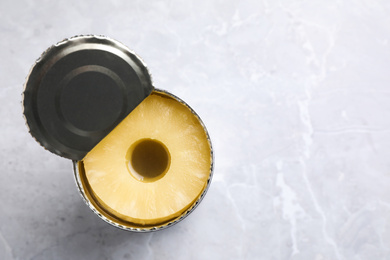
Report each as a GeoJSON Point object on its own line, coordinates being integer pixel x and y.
{"type": "Point", "coordinates": [295, 95]}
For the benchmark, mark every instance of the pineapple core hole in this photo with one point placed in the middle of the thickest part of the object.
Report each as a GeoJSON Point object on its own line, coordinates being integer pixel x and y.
{"type": "Point", "coordinates": [148, 160]}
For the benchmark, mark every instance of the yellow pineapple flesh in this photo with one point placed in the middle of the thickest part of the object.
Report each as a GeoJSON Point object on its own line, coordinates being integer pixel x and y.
{"type": "Point", "coordinates": [153, 166]}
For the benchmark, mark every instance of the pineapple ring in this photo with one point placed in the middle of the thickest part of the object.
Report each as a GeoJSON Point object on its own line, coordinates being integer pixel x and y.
{"type": "Point", "coordinates": [151, 195]}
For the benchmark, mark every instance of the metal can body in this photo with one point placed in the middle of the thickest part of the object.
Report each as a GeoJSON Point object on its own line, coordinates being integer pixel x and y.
{"type": "Point", "coordinates": [89, 198]}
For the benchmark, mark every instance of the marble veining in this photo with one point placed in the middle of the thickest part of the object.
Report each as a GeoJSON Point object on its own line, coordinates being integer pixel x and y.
{"type": "Point", "coordinates": [295, 96]}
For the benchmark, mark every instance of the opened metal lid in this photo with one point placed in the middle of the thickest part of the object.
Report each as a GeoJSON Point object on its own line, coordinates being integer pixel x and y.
{"type": "Point", "coordinates": [79, 90]}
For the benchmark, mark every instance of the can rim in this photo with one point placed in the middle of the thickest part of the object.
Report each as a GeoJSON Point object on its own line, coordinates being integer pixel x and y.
{"type": "Point", "coordinates": [80, 186]}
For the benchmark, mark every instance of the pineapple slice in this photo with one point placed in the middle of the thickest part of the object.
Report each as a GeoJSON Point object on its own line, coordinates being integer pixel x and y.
{"type": "Point", "coordinates": [153, 166]}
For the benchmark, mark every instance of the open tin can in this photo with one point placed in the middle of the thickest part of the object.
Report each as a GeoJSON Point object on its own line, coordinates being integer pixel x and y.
{"type": "Point", "coordinates": [78, 96]}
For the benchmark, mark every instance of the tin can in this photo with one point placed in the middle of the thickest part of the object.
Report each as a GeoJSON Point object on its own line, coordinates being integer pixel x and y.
{"type": "Point", "coordinates": [66, 73]}
{"type": "Point", "coordinates": [100, 211]}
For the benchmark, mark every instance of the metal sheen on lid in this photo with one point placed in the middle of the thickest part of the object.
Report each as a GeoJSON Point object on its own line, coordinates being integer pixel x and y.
{"type": "Point", "coordinates": [79, 90]}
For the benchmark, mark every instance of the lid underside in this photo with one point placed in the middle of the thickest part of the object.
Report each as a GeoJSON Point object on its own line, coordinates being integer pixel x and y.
{"type": "Point", "coordinates": [79, 90]}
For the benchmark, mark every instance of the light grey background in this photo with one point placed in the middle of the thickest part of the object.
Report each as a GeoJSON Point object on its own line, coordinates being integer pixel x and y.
{"type": "Point", "coordinates": [296, 97]}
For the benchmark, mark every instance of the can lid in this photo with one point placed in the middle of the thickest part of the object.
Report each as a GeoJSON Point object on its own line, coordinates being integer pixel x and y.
{"type": "Point", "coordinates": [79, 90]}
